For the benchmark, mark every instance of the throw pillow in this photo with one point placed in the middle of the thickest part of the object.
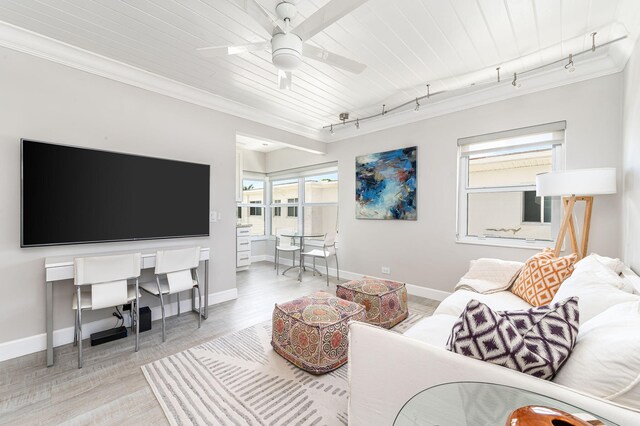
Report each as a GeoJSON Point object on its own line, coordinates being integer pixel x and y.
{"type": "Point", "coordinates": [541, 277]}
{"type": "Point", "coordinates": [606, 359]}
{"type": "Point", "coordinates": [597, 287]}
{"type": "Point", "coordinates": [536, 341]}
{"type": "Point", "coordinates": [616, 265]}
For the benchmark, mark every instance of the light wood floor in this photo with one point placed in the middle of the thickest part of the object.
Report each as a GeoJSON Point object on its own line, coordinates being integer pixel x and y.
{"type": "Point", "coordinates": [110, 388]}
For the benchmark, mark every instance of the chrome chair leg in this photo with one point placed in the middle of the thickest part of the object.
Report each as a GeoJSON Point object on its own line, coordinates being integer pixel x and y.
{"type": "Point", "coordinates": [161, 308]}
{"type": "Point", "coordinates": [75, 331]}
{"type": "Point", "coordinates": [79, 311]}
{"type": "Point", "coordinates": [137, 317]}
{"type": "Point", "coordinates": [199, 307]}
{"type": "Point", "coordinates": [277, 265]}
{"type": "Point", "coordinates": [326, 262]}
{"type": "Point", "coordinates": [178, 298]}
{"type": "Point", "coordinates": [337, 269]}
{"type": "Point", "coordinates": [314, 266]}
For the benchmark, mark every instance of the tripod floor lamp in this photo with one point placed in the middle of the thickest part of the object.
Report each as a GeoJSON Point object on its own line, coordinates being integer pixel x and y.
{"type": "Point", "coordinates": [574, 186]}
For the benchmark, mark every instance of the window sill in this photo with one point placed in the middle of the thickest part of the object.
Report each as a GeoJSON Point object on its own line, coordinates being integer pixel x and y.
{"type": "Point", "coordinates": [536, 245]}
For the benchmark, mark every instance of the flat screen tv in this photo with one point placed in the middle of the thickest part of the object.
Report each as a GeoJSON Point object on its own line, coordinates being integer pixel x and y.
{"type": "Point", "coordinates": [74, 195]}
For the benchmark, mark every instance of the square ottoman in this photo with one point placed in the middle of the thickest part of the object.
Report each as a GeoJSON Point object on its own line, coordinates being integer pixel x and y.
{"type": "Point", "coordinates": [384, 300]}
{"type": "Point", "coordinates": [311, 332]}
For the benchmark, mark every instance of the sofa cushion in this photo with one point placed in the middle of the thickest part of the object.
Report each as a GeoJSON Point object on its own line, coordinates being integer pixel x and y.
{"type": "Point", "coordinates": [541, 277]}
{"type": "Point", "coordinates": [434, 330]}
{"type": "Point", "coordinates": [455, 303]}
{"type": "Point", "coordinates": [536, 341]}
{"type": "Point", "coordinates": [597, 287]}
{"type": "Point", "coordinates": [606, 359]}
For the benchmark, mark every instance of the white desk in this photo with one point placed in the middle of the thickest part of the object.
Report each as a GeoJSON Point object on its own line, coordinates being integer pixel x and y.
{"type": "Point", "coordinates": [61, 268]}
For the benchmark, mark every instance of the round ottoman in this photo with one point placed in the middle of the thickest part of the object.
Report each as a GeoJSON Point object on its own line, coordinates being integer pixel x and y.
{"type": "Point", "coordinates": [384, 300]}
{"type": "Point", "coordinates": [311, 332]}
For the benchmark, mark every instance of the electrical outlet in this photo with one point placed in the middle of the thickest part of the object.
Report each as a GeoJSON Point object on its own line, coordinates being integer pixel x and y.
{"type": "Point", "coordinates": [213, 217]}
{"type": "Point", "coordinates": [386, 270]}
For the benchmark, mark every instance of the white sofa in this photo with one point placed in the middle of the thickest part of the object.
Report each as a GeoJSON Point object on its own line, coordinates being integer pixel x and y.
{"type": "Point", "coordinates": [387, 369]}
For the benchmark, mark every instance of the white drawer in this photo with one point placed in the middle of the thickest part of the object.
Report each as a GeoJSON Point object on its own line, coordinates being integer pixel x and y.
{"type": "Point", "coordinates": [243, 232]}
{"type": "Point", "coordinates": [243, 258]}
{"type": "Point", "coordinates": [243, 244]}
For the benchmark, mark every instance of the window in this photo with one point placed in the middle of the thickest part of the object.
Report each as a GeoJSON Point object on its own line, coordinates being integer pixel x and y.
{"type": "Point", "coordinates": [497, 186]}
{"type": "Point", "coordinates": [311, 202]}
{"type": "Point", "coordinates": [536, 209]}
{"type": "Point", "coordinates": [251, 209]}
{"type": "Point", "coordinates": [292, 211]}
{"type": "Point", "coordinates": [284, 189]}
{"type": "Point", "coordinates": [321, 203]}
{"type": "Point", "coordinates": [255, 211]}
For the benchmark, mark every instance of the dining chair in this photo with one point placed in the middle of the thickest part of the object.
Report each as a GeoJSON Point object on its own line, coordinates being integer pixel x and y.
{"type": "Point", "coordinates": [103, 282]}
{"type": "Point", "coordinates": [175, 271]}
{"type": "Point", "coordinates": [285, 244]}
{"type": "Point", "coordinates": [328, 250]}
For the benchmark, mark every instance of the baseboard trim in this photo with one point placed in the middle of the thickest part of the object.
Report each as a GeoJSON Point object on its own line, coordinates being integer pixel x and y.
{"type": "Point", "coordinates": [63, 336]}
{"type": "Point", "coordinates": [427, 292]}
{"type": "Point", "coordinates": [413, 289]}
{"type": "Point", "coordinates": [261, 258]}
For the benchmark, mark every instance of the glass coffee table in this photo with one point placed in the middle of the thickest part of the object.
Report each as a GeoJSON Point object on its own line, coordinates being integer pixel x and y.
{"type": "Point", "coordinates": [477, 404]}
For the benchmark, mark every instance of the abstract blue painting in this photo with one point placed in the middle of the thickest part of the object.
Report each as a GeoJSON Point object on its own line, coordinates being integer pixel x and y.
{"type": "Point", "coordinates": [386, 185]}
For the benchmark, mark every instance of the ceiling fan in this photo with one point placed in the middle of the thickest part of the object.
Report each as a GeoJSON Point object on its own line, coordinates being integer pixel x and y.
{"type": "Point", "coordinates": [287, 44]}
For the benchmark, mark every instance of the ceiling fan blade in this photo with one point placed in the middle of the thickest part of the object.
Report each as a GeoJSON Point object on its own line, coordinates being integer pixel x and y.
{"type": "Point", "coordinates": [325, 16]}
{"type": "Point", "coordinates": [253, 9]}
{"type": "Point", "coordinates": [336, 60]}
{"type": "Point", "coordinates": [284, 80]}
{"type": "Point", "coordinates": [214, 51]}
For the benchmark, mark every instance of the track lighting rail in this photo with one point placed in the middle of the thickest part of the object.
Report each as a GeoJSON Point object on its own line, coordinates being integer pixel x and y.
{"type": "Point", "coordinates": [416, 101]}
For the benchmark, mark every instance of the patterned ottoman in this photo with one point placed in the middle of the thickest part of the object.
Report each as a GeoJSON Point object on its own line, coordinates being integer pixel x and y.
{"type": "Point", "coordinates": [311, 332]}
{"type": "Point", "coordinates": [384, 300]}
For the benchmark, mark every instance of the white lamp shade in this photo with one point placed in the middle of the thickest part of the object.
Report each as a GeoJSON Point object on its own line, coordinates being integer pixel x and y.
{"type": "Point", "coordinates": [577, 182]}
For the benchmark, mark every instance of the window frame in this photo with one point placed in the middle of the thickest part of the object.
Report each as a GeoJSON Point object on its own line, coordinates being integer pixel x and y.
{"type": "Point", "coordinates": [463, 190]}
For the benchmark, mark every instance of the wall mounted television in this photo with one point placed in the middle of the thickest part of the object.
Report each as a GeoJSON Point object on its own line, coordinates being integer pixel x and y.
{"type": "Point", "coordinates": [72, 195]}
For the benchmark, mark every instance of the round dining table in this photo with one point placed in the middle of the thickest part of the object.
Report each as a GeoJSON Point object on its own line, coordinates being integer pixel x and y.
{"type": "Point", "coordinates": [301, 237]}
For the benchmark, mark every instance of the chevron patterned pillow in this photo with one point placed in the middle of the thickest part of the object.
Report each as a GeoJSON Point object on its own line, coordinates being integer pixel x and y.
{"type": "Point", "coordinates": [536, 341]}
{"type": "Point", "coordinates": [541, 277]}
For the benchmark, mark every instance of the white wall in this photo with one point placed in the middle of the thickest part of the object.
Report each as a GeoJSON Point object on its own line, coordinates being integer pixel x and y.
{"type": "Point", "coordinates": [254, 161]}
{"type": "Point", "coordinates": [424, 252]}
{"type": "Point", "coordinates": [631, 162]}
{"type": "Point", "coordinates": [46, 101]}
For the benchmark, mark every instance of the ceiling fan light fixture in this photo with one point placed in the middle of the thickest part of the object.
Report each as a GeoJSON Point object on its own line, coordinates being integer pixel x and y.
{"type": "Point", "coordinates": [287, 51]}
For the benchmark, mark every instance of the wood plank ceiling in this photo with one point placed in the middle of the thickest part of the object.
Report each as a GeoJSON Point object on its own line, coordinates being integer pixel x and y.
{"type": "Point", "coordinates": [404, 43]}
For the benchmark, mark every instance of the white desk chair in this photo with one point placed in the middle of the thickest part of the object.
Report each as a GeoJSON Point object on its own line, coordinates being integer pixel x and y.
{"type": "Point", "coordinates": [328, 250]}
{"type": "Point", "coordinates": [179, 266]}
{"type": "Point", "coordinates": [106, 281]}
{"type": "Point", "coordinates": [287, 245]}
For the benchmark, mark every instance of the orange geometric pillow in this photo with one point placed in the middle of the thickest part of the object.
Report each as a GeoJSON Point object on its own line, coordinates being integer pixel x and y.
{"type": "Point", "coordinates": [541, 277]}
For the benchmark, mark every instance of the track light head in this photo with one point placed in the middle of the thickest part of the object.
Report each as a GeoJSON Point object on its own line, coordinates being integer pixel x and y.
{"type": "Point", "coordinates": [570, 67]}
{"type": "Point", "coordinates": [357, 124]}
{"type": "Point", "coordinates": [417, 108]}
{"type": "Point", "coordinates": [331, 130]}
{"type": "Point", "coordinates": [515, 82]}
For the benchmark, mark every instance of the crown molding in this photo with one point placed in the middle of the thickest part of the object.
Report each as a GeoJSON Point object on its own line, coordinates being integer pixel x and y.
{"type": "Point", "coordinates": [29, 42]}
{"type": "Point", "coordinates": [41, 46]}
{"type": "Point", "coordinates": [598, 67]}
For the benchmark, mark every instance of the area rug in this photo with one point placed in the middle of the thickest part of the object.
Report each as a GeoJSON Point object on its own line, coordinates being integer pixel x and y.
{"type": "Point", "coordinates": [238, 379]}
